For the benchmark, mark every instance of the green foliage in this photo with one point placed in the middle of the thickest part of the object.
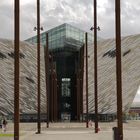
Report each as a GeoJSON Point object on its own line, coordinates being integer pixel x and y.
{"type": "Point", "coordinates": [6, 135]}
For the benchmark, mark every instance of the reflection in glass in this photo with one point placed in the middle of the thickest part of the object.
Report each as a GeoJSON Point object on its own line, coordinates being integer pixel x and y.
{"type": "Point", "coordinates": [66, 87]}
{"type": "Point", "coordinates": [66, 106]}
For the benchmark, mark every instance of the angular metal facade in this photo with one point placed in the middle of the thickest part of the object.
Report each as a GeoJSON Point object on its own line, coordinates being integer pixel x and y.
{"type": "Point", "coordinates": [28, 78]}
{"type": "Point", "coordinates": [107, 74]}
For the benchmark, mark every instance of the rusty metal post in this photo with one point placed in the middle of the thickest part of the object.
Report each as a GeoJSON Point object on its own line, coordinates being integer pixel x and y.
{"type": "Point", "coordinates": [86, 48]}
{"type": "Point", "coordinates": [47, 78]}
{"type": "Point", "coordinates": [78, 96]}
{"type": "Point", "coordinates": [54, 95]}
{"type": "Point", "coordinates": [82, 77]}
{"type": "Point", "coordinates": [95, 67]}
{"type": "Point", "coordinates": [38, 68]}
{"type": "Point", "coordinates": [57, 100]}
{"type": "Point", "coordinates": [119, 70]}
{"type": "Point", "coordinates": [16, 69]}
{"type": "Point", "coordinates": [52, 89]}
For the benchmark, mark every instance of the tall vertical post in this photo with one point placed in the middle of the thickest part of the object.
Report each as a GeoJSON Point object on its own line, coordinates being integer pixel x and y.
{"type": "Point", "coordinates": [86, 45]}
{"type": "Point", "coordinates": [82, 77]}
{"type": "Point", "coordinates": [52, 88]}
{"type": "Point", "coordinates": [95, 67]}
{"type": "Point", "coordinates": [38, 67]}
{"type": "Point", "coordinates": [54, 93]}
{"type": "Point", "coordinates": [78, 96]}
{"type": "Point", "coordinates": [16, 69]}
{"type": "Point", "coordinates": [47, 78]}
{"type": "Point", "coordinates": [118, 69]}
{"type": "Point", "coordinates": [55, 96]}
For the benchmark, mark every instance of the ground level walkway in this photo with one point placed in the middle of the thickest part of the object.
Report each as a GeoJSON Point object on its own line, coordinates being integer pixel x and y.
{"type": "Point", "coordinates": [80, 135]}
{"type": "Point", "coordinates": [74, 131]}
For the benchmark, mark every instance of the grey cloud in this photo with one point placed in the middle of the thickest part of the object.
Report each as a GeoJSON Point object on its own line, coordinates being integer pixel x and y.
{"type": "Point", "coordinates": [28, 20]}
{"type": "Point", "coordinates": [77, 12]}
{"type": "Point", "coordinates": [130, 18]}
{"type": "Point", "coordinates": [6, 20]}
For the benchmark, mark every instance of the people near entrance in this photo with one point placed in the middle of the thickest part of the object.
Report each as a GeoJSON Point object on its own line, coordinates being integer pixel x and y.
{"type": "Point", "coordinates": [90, 123]}
{"type": "Point", "coordinates": [4, 124]}
{"type": "Point", "coordinates": [0, 121]}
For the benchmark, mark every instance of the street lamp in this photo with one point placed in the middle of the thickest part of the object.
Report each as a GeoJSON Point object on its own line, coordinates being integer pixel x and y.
{"type": "Point", "coordinates": [86, 53]}
{"type": "Point", "coordinates": [16, 69]}
{"type": "Point", "coordinates": [92, 28]}
{"type": "Point", "coordinates": [119, 70]}
{"type": "Point", "coordinates": [95, 66]}
{"type": "Point", "coordinates": [38, 67]}
{"type": "Point", "coordinates": [46, 54]}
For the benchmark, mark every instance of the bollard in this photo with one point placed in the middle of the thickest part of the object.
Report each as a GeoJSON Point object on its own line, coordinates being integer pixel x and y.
{"type": "Point", "coordinates": [115, 133]}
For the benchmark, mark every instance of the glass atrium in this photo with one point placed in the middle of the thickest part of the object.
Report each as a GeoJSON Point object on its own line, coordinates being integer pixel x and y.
{"type": "Point", "coordinates": [63, 35]}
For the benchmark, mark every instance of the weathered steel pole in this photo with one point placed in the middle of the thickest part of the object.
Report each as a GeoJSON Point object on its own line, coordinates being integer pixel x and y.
{"type": "Point", "coordinates": [38, 67]}
{"type": "Point", "coordinates": [119, 69]}
{"type": "Point", "coordinates": [86, 45]}
{"type": "Point", "coordinates": [82, 77]}
{"type": "Point", "coordinates": [52, 88]}
{"type": "Point", "coordinates": [78, 96]}
{"type": "Point", "coordinates": [95, 67]}
{"type": "Point", "coordinates": [47, 78]}
{"type": "Point", "coordinates": [55, 96]}
{"type": "Point", "coordinates": [16, 69]}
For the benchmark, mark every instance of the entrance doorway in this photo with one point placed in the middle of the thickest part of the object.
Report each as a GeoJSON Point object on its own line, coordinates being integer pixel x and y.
{"type": "Point", "coordinates": [66, 98]}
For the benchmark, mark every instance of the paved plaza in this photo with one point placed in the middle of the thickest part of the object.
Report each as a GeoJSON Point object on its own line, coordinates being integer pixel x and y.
{"type": "Point", "coordinates": [73, 131]}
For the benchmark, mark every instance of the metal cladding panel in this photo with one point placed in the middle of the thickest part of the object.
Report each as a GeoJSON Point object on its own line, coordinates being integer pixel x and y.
{"type": "Point", "coordinates": [28, 78]}
{"type": "Point", "coordinates": [107, 74]}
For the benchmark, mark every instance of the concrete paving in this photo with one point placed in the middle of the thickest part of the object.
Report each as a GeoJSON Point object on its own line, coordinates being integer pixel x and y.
{"type": "Point", "coordinates": [74, 131]}
{"type": "Point", "coordinates": [79, 135]}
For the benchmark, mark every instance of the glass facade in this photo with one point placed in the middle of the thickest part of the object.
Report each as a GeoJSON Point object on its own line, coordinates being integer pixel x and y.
{"type": "Point", "coordinates": [65, 45]}
{"type": "Point", "coordinates": [63, 35]}
{"type": "Point", "coordinates": [66, 87]}
{"type": "Point", "coordinates": [66, 95]}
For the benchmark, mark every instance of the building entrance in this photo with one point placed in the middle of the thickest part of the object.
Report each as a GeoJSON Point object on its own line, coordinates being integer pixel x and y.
{"type": "Point", "coordinates": [66, 99]}
{"type": "Point", "coordinates": [69, 74]}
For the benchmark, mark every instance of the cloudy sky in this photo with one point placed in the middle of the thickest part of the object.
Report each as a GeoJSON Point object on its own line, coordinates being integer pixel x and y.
{"type": "Point", "coordinates": [137, 97]}
{"type": "Point", "coordinates": [76, 12]}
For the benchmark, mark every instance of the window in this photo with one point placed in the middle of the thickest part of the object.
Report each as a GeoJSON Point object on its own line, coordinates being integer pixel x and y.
{"type": "Point", "coordinates": [2, 55]}
{"type": "Point", "coordinates": [66, 92]}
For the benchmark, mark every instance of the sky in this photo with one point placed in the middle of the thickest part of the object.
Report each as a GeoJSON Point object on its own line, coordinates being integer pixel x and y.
{"type": "Point", "coordinates": [76, 12]}
{"type": "Point", "coordinates": [137, 97]}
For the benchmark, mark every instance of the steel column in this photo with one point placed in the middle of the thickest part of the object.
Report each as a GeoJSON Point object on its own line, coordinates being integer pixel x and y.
{"type": "Point", "coordinates": [16, 69]}
{"type": "Point", "coordinates": [52, 89]}
{"type": "Point", "coordinates": [47, 78]}
{"type": "Point", "coordinates": [95, 67]}
{"type": "Point", "coordinates": [55, 97]}
{"type": "Point", "coordinates": [78, 96]}
{"type": "Point", "coordinates": [86, 48]}
{"type": "Point", "coordinates": [82, 74]}
{"type": "Point", "coordinates": [119, 69]}
{"type": "Point", "coordinates": [38, 68]}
